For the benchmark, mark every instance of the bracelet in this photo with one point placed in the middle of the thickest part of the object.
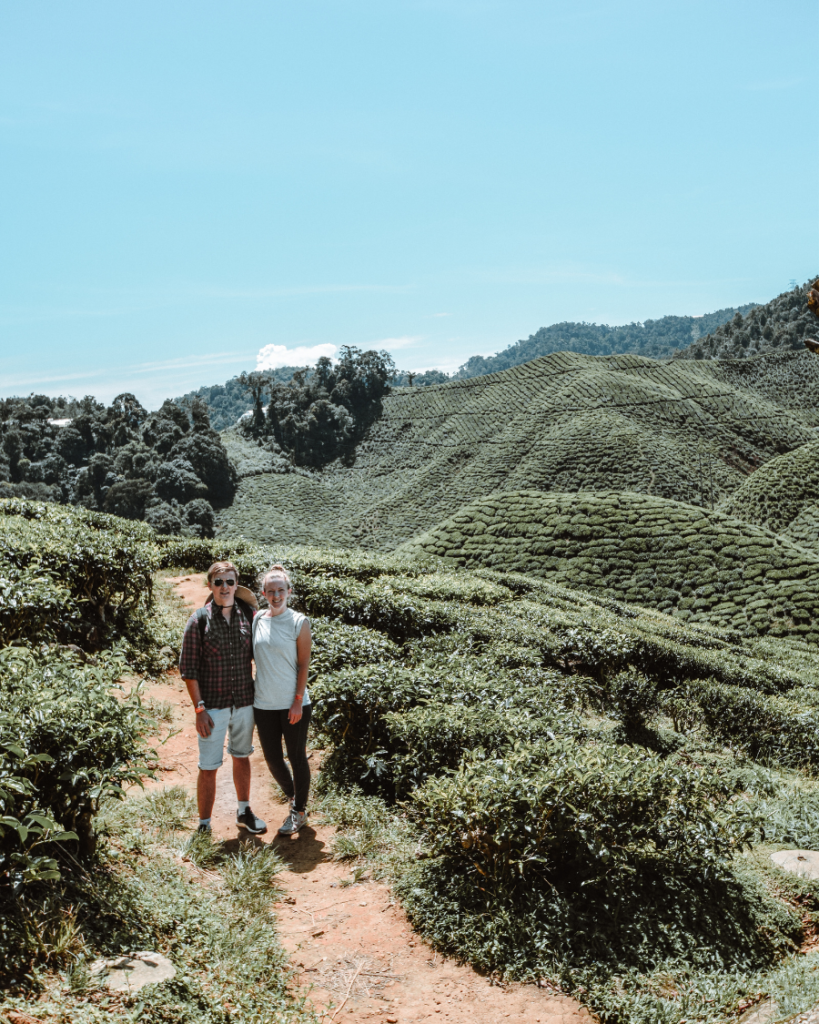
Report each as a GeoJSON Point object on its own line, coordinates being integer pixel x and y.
{"type": "Point", "coordinates": [200, 707]}
{"type": "Point", "coordinates": [199, 710]}
{"type": "Point", "coordinates": [299, 696]}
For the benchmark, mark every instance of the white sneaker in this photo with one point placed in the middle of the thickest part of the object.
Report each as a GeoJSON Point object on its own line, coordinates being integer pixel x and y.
{"type": "Point", "coordinates": [293, 822]}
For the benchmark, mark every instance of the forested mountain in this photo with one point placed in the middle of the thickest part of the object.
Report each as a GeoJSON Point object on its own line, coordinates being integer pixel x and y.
{"type": "Point", "coordinates": [780, 325]}
{"type": "Point", "coordinates": [654, 338]}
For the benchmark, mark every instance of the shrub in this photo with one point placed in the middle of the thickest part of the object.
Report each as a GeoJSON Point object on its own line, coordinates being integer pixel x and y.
{"type": "Point", "coordinates": [68, 742]}
{"type": "Point", "coordinates": [33, 606]}
{"type": "Point", "coordinates": [771, 729]}
{"type": "Point", "coordinates": [377, 605]}
{"type": "Point", "coordinates": [198, 517]}
{"type": "Point", "coordinates": [560, 809]}
{"type": "Point", "coordinates": [105, 563]}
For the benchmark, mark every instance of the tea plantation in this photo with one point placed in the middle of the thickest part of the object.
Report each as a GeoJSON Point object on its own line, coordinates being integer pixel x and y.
{"type": "Point", "coordinates": [698, 565]}
{"type": "Point", "coordinates": [686, 430]}
{"type": "Point", "coordinates": [779, 492]}
{"type": "Point", "coordinates": [592, 788]}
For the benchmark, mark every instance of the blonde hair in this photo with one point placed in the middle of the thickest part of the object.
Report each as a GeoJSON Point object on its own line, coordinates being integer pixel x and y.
{"type": "Point", "coordinates": [277, 570]}
{"type": "Point", "coordinates": [222, 567]}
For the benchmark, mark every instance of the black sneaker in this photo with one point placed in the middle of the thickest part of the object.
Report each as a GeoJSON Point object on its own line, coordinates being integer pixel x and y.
{"type": "Point", "coordinates": [247, 819]}
{"type": "Point", "coordinates": [204, 829]}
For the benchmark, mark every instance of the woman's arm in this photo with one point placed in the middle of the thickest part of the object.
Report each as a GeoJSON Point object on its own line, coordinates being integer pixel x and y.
{"type": "Point", "coordinates": [304, 645]}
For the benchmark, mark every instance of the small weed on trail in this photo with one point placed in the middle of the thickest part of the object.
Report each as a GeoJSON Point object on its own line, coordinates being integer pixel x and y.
{"type": "Point", "coordinates": [369, 832]}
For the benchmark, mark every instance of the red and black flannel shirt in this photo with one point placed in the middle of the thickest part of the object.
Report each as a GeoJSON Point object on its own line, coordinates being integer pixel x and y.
{"type": "Point", "coordinates": [220, 664]}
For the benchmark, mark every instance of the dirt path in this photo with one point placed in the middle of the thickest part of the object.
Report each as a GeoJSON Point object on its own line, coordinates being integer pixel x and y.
{"type": "Point", "coordinates": [350, 944]}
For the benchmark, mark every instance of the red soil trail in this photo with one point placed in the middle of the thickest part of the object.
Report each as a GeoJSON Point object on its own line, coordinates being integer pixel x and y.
{"type": "Point", "coordinates": [349, 944]}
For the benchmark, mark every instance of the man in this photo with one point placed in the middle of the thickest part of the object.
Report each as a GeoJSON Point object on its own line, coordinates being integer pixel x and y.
{"type": "Point", "coordinates": [215, 664]}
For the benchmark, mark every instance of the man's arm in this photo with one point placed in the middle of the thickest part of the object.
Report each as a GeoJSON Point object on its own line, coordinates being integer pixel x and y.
{"type": "Point", "coordinates": [189, 662]}
{"type": "Point", "coordinates": [204, 723]}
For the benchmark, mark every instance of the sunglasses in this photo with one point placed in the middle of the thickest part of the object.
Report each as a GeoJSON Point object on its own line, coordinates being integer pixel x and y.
{"type": "Point", "coordinates": [226, 583]}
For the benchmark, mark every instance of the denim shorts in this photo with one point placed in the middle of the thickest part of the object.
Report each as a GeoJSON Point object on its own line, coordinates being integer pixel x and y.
{"type": "Point", "coordinates": [237, 725]}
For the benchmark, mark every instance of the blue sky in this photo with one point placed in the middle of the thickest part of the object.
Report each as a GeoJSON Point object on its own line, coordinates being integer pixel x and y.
{"type": "Point", "coordinates": [184, 184]}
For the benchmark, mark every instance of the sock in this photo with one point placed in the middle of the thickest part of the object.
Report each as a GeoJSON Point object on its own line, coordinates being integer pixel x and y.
{"type": "Point", "coordinates": [242, 806]}
{"type": "Point", "coordinates": [204, 821]}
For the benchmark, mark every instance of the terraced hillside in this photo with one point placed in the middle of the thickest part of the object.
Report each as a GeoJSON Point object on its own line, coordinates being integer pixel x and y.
{"type": "Point", "coordinates": [695, 564]}
{"type": "Point", "coordinates": [783, 495]}
{"type": "Point", "coordinates": [689, 430]}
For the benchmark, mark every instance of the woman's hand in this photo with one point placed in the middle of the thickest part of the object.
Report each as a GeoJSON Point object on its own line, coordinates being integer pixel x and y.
{"type": "Point", "coordinates": [294, 714]}
{"type": "Point", "coordinates": [204, 724]}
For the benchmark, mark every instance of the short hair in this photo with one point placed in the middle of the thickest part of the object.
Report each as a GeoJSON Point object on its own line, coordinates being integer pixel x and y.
{"type": "Point", "coordinates": [276, 570]}
{"type": "Point", "coordinates": [222, 567]}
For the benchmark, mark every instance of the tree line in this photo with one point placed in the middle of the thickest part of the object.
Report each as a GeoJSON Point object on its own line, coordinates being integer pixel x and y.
{"type": "Point", "coordinates": [167, 467]}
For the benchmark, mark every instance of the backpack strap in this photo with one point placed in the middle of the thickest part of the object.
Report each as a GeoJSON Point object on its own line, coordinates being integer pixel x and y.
{"type": "Point", "coordinates": [202, 616]}
{"type": "Point", "coordinates": [201, 621]}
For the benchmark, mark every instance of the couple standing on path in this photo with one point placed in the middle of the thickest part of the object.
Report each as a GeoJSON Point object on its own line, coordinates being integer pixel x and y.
{"type": "Point", "coordinates": [219, 643]}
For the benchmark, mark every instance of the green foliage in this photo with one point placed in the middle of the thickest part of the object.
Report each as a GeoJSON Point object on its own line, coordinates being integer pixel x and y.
{"type": "Point", "coordinates": [68, 743]}
{"type": "Point", "coordinates": [227, 402]}
{"type": "Point", "coordinates": [316, 417]}
{"type": "Point", "coordinates": [690, 431]}
{"type": "Point", "coordinates": [655, 338]}
{"type": "Point", "coordinates": [780, 324]}
{"type": "Point", "coordinates": [160, 467]}
{"type": "Point", "coordinates": [698, 565]}
{"type": "Point", "coordinates": [31, 605]}
{"type": "Point", "coordinates": [769, 729]}
{"type": "Point", "coordinates": [102, 568]}
{"type": "Point", "coordinates": [776, 494]}
{"type": "Point", "coordinates": [559, 810]}
{"type": "Point", "coordinates": [339, 646]}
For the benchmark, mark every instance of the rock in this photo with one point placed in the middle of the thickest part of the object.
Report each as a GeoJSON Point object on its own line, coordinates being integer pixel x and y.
{"type": "Point", "coordinates": [800, 862]}
{"type": "Point", "coordinates": [762, 1013]}
{"type": "Point", "coordinates": [133, 971]}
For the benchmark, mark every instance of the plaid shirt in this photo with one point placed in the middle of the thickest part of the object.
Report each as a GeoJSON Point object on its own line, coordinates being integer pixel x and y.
{"type": "Point", "coordinates": [221, 662]}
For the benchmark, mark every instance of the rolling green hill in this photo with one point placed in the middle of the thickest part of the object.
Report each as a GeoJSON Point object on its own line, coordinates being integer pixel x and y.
{"type": "Point", "coordinates": [689, 430]}
{"type": "Point", "coordinates": [783, 495]}
{"type": "Point", "coordinates": [695, 564]}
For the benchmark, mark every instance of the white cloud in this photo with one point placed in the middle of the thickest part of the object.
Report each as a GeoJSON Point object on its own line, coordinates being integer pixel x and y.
{"type": "Point", "coordinates": [391, 344]}
{"type": "Point", "coordinates": [271, 357]}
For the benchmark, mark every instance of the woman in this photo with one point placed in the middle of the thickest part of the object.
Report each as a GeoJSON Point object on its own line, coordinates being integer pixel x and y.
{"type": "Point", "coordinates": [281, 706]}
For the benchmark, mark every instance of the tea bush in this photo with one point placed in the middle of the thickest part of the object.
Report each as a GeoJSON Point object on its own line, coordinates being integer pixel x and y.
{"type": "Point", "coordinates": [689, 430]}
{"type": "Point", "coordinates": [69, 741]}
{"type": "Point", "coordinates": [32, 606]}
{"type": "Point", "coordinates": [697, 565]}
{"type": "Point", "coordinates": [562, 809]}
{"type": "Point", "coordinates": [769, 729]}
{"type": "Point", "coordinates": [105, 564]}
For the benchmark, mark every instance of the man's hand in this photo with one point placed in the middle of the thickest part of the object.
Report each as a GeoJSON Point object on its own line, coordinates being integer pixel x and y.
{"type": "Point", "coordinates": [294, 715]}
{"type": "Point", "coordinates": [204, 724]}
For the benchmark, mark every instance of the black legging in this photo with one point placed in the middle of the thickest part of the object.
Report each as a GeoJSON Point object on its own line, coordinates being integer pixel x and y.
{"type": "Point", "coordinates": [272, 727]}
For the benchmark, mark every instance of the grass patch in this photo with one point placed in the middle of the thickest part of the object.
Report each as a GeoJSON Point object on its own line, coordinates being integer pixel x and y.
{"type": "Point", "coordinates": [211, 915]}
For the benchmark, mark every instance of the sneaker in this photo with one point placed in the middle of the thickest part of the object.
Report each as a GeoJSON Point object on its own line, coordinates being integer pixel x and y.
{"type": "Point", "coordinates": [204, 830]}
{"type": "Point", "coordinates": [293, 822]}
{"type": "Point", "coordinates": [247, 819]}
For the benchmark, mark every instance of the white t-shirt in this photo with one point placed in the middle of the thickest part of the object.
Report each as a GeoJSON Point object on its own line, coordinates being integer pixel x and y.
{"type": "Point", "coordinates": [274, 651]}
